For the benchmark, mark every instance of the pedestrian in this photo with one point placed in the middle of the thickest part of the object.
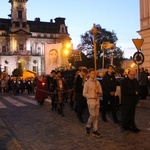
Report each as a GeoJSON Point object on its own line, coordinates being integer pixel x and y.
{"type": "Point", "coordinates": [74, 93]}
{"type": "Point", "coordinates": [129, 95]}
{"type": "Point", "coordinates": [109, 85]}
{"type": "Point", "coordinates": [28, 85]}
{"type": "Point", "coordinates": [79, 98]}
{"type": "Point", "coordinates": [148, 81]}
{"type": "Point", "coordinates": [41, 90]}
{"type": "Point", "coordinates": [143, 81]}
{"type": "Point", "coordinates": [51, 80]}
{"type": "Point", "coordinates": [69, 87]}
{"type": "Point", "coordinates": [92, 90]}
{"type": "Point", "coordinates": [59, 90]}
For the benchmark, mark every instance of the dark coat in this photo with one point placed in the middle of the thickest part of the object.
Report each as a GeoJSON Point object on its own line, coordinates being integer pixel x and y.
{"type": "Point", "coordinates": [129, 101]}
{"type": "Point", "coordinates": [128, 88]}
{"type": "Point", "coordinates": [78, 84]}
{"type": "Point", "coordinates": [109, 84]}
{"type": "Point", "coordinates": [41, 91]}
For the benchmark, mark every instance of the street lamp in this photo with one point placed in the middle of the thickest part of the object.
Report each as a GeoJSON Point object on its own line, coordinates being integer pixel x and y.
{"type": "Point", "coordinates": [94, 31]}
{"type": "Point", "coordinates": [65, 52]}
{"type": "Point", "coordinates": [67, 46]}
{"type": "Point", "coordinates": [107, 46]}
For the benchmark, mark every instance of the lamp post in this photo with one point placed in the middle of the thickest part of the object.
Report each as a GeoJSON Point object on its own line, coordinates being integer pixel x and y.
{"type": "Point", "coordinates": [103, 58]}
{"type": "Point", "coordinates": [94, 31]}
{"type": "Point", "coordinates": [107, 46]}
{"type": "Point", "coordinates": [112, 58]}
{"type": "Point", "coordinates": [67, 46]}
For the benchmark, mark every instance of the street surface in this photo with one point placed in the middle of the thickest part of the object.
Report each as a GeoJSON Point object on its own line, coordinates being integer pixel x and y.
{"type": "Point", "coordinates": [25, 125]}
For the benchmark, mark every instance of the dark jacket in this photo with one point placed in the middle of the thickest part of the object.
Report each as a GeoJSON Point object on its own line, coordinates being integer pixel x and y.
{"type": "Point", "coordinates": [78, 84]}
{"type": "Point", "coordinates": [143, 78]}
{"type": "Point", "coordinates": [128, 88]}
{"type": "Point", "coordinates": [109, 84]}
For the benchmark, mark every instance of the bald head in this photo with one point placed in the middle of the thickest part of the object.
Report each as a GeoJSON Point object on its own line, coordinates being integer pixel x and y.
{"type": "Point", "coordinates": [131, 74]}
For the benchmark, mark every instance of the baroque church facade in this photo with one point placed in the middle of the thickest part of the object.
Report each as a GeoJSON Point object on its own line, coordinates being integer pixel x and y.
{"type": "Point", "coordinates": [23, 41]}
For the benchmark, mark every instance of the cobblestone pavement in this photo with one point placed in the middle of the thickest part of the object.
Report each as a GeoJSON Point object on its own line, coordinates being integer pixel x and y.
{"type": "Point", "coordinates": [39, 128]}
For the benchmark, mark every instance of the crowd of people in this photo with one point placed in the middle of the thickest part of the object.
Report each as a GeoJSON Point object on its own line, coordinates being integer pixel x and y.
{"type": "Point", "coordinates": [16, 85]}
{"type": "Point", "coordinates": [81, 89]}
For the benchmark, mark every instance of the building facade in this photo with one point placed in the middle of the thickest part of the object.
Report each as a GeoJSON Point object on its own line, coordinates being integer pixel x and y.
{"type": "Point", "coordinates": [145, 31]}
{"type": "Point", "coordinates": [23, 41]}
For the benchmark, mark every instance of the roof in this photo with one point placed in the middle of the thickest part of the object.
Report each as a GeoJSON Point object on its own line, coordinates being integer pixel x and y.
{"type": "Point", "coordinates": [37, 25]}
{"type": "Point", "coordinates": [5, 24]}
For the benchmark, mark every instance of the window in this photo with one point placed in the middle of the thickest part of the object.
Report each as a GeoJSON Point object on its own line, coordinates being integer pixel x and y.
{"type": "Point", "coordinates": [63, 31]}
{"type": "Point", "coordinates": [3, 49]}
{"type": "Point", "coordinates": [51, 36]}
{"type": "Point", "coordinates": [21, 47]}
{"type": "Point", "coordinates": [5, 69]}
{"type": "Point", "coordinates": [45, 35]}
{"type": "Point", "coordinates": [24, 24]}
{"type": "Point", "coordinates": [20, 14]}
{"type": "Point", "coordinates": [17, 24]}
{"type": "Point", "coordinates": [39, 50]}
{"type": "Point", "coordinates": [35, 68]}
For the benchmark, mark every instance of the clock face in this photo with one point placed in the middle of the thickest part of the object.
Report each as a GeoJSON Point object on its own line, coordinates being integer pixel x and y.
{"type": "Point", "coordinates": [138, 58]}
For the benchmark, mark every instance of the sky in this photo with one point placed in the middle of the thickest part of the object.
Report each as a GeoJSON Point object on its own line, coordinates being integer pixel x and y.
{"type": "Point", "coordinates": [120, 16]}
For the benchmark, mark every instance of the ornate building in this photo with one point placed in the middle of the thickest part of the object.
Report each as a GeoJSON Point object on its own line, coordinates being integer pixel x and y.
{"type": "Point", "coordinates": [23, 41]}
{"type": "Point", "coordinates": [145, 30]}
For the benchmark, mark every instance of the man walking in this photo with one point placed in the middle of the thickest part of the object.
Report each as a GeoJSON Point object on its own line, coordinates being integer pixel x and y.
{"type": "Point", "coordinates": [92, 89]}
{"type": "Point", "coordinates": [109, 85]}
{"type": "Point", "coordinates": [80, 100]}
{"type": "Point", "coordinates": [130, 97]}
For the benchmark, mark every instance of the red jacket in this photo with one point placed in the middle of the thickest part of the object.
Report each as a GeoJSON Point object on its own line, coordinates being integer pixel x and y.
{"type": "Point", "coordinates": [41, 90]}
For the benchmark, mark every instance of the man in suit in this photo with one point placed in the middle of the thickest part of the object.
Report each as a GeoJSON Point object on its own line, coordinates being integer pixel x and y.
{"type": "Point", "coordinates": [130, 96]}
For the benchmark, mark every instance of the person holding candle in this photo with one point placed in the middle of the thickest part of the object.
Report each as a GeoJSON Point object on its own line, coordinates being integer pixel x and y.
{"type": "Point", "coordinates": [41, 90]}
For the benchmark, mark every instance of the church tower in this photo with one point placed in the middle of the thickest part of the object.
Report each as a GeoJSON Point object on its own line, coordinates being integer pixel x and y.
{"type": "Point", "coordinates": [18, 15]}
{"type": "Point", "coordinates": [145, 30]}
{"type": "Point", "coordinates": [19, 29]}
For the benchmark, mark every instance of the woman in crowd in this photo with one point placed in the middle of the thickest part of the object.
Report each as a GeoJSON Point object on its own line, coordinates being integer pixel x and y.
{"type": "Point", "coordinates": [41, 90]}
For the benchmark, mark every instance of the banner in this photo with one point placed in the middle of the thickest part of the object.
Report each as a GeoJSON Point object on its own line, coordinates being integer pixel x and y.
{"type": "Point", "coordinates": [52, 57]}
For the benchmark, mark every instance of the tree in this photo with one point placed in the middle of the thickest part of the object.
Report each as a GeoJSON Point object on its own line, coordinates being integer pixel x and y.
{"type": "Point", "coordinates": [17, 72]}
{"type": "Point", "coordinates": [86, 46]}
